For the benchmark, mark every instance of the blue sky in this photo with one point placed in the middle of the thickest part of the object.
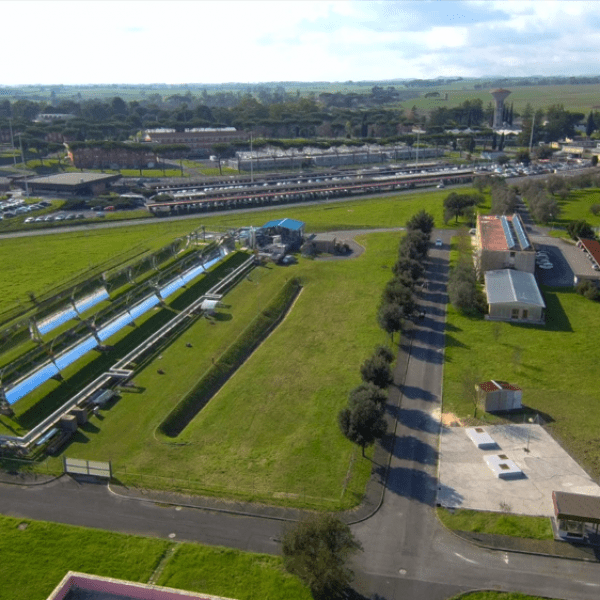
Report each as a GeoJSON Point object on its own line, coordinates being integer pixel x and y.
{"type": "Point", "coordinates": [214, 42]}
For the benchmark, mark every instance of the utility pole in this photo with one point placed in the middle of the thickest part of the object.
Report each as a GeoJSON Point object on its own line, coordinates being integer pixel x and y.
{"type": "Point", "coordinates": [531, 136]}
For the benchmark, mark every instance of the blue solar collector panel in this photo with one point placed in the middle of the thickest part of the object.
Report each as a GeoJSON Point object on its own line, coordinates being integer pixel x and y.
{"type": "Point", "coordinates": [114, 326]}
{"type": "Point", "coordinates": [523, 240]}
{"type": "Point", "coordinates": [143, 307]}
{"type": "Point", "coordinates": [76, 352]}
{"type": "Point", "coordinates": [57, 320]}
{"type": "Point", "coordinates": [172, 287]}
{"type": "Point", "coordinates": [30, 383]}
{"type": "Point", "coordinates": [510, 240]}
{"type": "Point", "coordinates": [86, 303]}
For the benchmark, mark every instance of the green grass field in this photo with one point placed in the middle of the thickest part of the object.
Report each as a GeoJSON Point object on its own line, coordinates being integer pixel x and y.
{"type": "Point", "coordinates": [553, 364]}
{"type": "Point", "coordinates": [299, 379]}
{"type": "Point", "coordinates": [576, 207]}
{"type": "Point", "coordinates": [37, 555]}
{"type": "Point", "coordinates": [576, 98]}
{"type": "Point", "coordinates": [536, 528]}
{"type": "Point", "coordinates": [41, 263]}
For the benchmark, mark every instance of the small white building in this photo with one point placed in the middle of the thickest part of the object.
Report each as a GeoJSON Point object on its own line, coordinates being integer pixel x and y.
{"type": "Point", "coordinates": [499, 396]}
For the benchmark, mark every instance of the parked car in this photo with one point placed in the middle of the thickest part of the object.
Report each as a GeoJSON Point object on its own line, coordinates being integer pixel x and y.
{"type": "Point", "coordinates": [438, 242]}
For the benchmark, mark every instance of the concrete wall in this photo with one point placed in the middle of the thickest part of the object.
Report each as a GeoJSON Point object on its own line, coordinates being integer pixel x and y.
{"type": "Point", "coordinates": [489, 260]}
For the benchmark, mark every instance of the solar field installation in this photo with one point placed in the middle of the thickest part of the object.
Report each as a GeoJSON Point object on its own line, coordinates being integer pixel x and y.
{"type": "Point", "coordinates": [80, 325]}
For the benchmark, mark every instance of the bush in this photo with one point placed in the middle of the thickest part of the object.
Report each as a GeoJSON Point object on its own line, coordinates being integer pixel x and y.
{"type": "Point", "coordinates": [367, 392]}
{"type": "Point", "coordinates": [462, 287]}
{"type": "Point", "coordinates": [422, 221]}
{"type": "Point", "coordinates": [595, 209]}
{"type": "Point", "coordinates": [316, 550]}
{"type": "Point", "coordinates": [377, 371]}
{"type": "Point", "coordinates": [588, 290]}
{"type": "Point", "coordinates": [384, 352]}
{"type": "Point", "coordinates": [580, 229]}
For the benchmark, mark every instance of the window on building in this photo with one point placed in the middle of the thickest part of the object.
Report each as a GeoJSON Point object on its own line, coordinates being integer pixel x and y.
{"type": "Point", "coordinates": [525, 314]}
{"type": "Point", "coordinates": [515, 313]}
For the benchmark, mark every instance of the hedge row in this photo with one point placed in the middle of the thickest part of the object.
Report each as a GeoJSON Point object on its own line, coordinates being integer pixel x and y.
{"type": "Point", "coordinates": [178, 419]}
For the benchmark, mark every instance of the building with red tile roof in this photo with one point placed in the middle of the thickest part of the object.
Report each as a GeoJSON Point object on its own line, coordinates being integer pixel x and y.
{"type": "Point", "coordinates": [501, 242]}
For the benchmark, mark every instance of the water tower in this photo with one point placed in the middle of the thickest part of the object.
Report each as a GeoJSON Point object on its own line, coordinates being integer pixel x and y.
{"type": "Point", "coordinates": [500, 96]}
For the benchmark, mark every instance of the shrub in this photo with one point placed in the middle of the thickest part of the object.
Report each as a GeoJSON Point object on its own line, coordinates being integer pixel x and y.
{"type": "Point", "coordinates": [367, 391]}
{"type": "Point", "coordinates": [377, 371]}
{"type": "Point", "coordinates": [384, 352]}
{"type": "Point", "coordinates": [588, 290]}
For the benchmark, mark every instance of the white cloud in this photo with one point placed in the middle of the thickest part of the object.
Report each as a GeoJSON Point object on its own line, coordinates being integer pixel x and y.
{"type": "Point", "coordinates": [208, 41]}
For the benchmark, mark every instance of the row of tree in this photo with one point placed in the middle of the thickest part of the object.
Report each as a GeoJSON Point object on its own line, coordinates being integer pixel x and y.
{"type": "Point", "coordinates": [463, 289]}
{"type": "Point", "coordinates": [362, 421]}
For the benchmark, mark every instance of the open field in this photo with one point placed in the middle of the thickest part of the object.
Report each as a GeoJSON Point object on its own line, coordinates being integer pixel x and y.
{"type": "Point", "coordinates": [537, 528]}
{"type": "Point", "coordinates": [575, 98]}
{"type": "Point", "coordinates": [39, 263]}
{"type": "Point", "coordinates": [37, 555]}
{"type": "Point", "coordinates": [577, 205]}
{"type": "Point", "coordinates": [298, 379]}
{"type": "Point", "coordinates": [555, 365]}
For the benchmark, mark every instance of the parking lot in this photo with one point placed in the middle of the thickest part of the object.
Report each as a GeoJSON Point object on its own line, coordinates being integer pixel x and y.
{"type": "Point", "coordinates": [465, 480]}
{"type": "Point", "coordinates": [568, 260]}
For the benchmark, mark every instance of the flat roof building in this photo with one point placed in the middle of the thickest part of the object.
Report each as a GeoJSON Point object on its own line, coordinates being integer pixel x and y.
{"type": "Point", "coordinates": [513, 296]}
{"type": "Point", "coordinates": [73, 183]}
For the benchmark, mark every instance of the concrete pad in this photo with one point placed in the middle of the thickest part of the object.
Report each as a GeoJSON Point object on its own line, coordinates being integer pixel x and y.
{"type": "Point", "coordinates": [466, 481]}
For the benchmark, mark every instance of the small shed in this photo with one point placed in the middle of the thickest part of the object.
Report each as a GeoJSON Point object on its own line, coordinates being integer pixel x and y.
{"type": "Point", "coordinates": [513, 296]}
{"type": "Point", "coordinates": [573, 511]}
{"type": "Point", "coordinates": [499, 396]}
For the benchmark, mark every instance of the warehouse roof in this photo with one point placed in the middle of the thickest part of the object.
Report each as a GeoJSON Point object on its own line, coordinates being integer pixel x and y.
{"type": "Point", "coordinates": [510, 286]}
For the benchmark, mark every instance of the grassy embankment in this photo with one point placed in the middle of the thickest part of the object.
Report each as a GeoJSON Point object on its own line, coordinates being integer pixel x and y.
{"type": "Point", "coordinates": [37, 555]}
{"type": "Point", "coordinates": [537, 528]}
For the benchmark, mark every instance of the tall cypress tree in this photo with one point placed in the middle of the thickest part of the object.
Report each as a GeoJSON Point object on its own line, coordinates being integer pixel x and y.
{"type": "Point", "coordinates": [590, 126]}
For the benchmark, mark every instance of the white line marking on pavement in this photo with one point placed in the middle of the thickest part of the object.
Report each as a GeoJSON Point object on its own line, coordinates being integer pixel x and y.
{"type": "Point", "coordinates": [473, 562]}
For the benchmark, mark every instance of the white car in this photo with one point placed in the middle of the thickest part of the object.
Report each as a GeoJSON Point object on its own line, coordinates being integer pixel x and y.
{"type": "Point", "coordinates": [547, 265]}
{"type": "Point", "coordinates": [438, 242]}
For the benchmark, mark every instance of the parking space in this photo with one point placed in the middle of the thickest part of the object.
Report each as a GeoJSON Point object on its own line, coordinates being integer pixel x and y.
{"type": "Point", "coordinates": [466, 481]}
{"type": "Point", "coordinates": [568, 260]}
